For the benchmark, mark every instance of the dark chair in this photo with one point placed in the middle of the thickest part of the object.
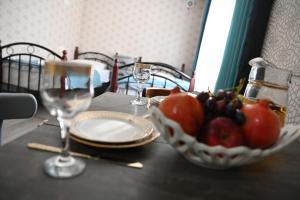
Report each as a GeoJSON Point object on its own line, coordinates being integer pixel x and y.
{"type": "Point", "coordinates": [151, 92]}
{"type": "Point", "coordinates": [16, 106]}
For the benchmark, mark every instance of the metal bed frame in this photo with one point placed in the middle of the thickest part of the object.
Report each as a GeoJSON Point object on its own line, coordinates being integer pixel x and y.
{"type": "Point", "coordinates": [98, 57]}
{"type": "Point", "coordinates": [125, 73]}
{"type": "Point", "coordinates": [14, 53]}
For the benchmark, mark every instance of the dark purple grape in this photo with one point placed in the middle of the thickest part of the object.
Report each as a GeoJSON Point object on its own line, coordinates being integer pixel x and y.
{"type": "Point", "coordinates": [202, 97]}
{"type": "Point", "coordinates": [229, 95]}
{"type": "Point", "coordinates": [209, 116]}
{"type": "Point", "coordinates": [230, 110]}
{"type": "Point", "coordinates": [210, 104]}
{"type": "Point", "coordinates": [239, 117]}
{"type": "Point", "coordinates": [238, 104]}
{"type": "Point", "coordinates": [220, 107]}
{"type": "Point", "coordinates": [220, 94]}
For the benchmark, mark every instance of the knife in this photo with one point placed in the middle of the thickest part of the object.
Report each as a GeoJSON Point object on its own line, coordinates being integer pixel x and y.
{"type": "Point", "coordinates": [44, 147]}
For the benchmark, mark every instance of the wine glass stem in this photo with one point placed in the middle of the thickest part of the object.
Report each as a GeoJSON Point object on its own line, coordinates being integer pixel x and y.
{"type": "Point", "coordinates": [139, 91]}
{"type": "Point", "coordinates": [66, 144]}
{"type": "Point", "coordinates": [65, 130]}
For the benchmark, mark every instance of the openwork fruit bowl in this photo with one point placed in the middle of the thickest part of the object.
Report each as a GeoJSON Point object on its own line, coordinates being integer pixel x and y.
{"type": "Point", "coordinates": [217, 157]}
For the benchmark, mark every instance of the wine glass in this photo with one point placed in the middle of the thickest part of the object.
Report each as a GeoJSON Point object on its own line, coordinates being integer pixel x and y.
{"type": "Point", "coordinates": [66, 90]}
{"type": "Point", "coordinates": [141, 73]}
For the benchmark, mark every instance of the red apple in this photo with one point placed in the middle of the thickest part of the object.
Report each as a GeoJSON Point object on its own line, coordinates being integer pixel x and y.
{"type": "Point", "coordinates": [223, 131]}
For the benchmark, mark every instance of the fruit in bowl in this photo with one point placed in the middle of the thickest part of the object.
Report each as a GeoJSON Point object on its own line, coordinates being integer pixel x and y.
{"type": "Point", "coordinates": [228, 131]}
{"type": "Point", "coordinates": [262, 125]}
{"type": "Point", "coordinates": [255, 125]}
{"type": "Point", "coordinates": [222, 131]}
{"type": "Point", "coordinates": [185, 110]}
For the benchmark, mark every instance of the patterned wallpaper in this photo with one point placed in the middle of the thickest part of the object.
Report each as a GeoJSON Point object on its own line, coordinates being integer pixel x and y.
{"type": "Point", "coordinates": [282, 47]}
{"type": "Point", "coordinates": [157, 30]}
{"type": "Point", "coordinates": [53, 23]}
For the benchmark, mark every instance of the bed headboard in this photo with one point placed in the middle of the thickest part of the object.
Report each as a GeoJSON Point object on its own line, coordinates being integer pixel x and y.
{"type": "Point", "coordinates": [96, 56]}
{"type": "Point", "coordinates": [162, 76]}
{"type": "Point", "coordinates": [19, 54]}
{"type": "Point", "coordinates": [30, 49]}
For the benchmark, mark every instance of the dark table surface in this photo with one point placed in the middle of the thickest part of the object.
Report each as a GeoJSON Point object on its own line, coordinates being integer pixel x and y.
{"type": "Point", "coordinates": [166, 174]}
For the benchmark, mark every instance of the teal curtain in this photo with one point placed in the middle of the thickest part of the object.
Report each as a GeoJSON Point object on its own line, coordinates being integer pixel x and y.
{"type": "Point", "coordinates": [234, 45]}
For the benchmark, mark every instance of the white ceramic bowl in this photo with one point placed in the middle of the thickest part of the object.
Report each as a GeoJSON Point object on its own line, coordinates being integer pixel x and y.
{"type": "Point", "coordinates": [217, 157]}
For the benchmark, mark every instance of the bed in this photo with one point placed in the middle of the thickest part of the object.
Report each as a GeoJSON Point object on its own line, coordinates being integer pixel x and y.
{"type": "Point", "coordinates": [162, 76]}
{"type": "Point", "coordinates": [21, 66]}
{"type": "Point", "coordinates": [102, 65]}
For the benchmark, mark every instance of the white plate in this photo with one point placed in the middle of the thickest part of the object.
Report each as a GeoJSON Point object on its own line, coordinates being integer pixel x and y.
{"type": "Point", "coordinates": [110, 127]}
{"type": "Point", "coordinates": [153, 136]}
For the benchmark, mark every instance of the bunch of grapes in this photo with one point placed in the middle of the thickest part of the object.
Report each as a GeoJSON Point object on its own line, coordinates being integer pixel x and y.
{"type": "Point", "coordinates": [224, 103]}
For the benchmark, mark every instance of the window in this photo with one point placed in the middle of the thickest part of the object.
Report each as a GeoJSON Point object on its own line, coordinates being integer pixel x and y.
{"type": "Point", "coordinates": [213, 44]}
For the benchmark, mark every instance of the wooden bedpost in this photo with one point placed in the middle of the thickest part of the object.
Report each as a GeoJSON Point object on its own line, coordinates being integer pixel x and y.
{"type": "Point", "coordinates": [183, 67]}
{"type": "Point", "coordinates": [192, 83]}
{"type": "Point", "coordinates": [76, 53]}
{"type": "Point", "coordinates": [64, 57]}
{"type": "Point", "coordinates": [0, 66]}
{"type": "Point", "coordinates": [114, 76]}
{"type": "Point", "coordinates": [63, 78]}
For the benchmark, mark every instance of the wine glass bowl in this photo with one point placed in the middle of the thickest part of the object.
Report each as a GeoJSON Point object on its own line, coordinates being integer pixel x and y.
{"type": "Point", "coordinates": [141, 74]}
{"type": "Point", "coordinates": [66, 90]}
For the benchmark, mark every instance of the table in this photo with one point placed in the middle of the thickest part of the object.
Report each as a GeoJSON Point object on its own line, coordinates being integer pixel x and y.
{"type": "Point", "coordinates": [166, 174]}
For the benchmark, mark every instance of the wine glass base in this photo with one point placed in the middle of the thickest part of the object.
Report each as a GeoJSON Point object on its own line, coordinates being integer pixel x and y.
{"type": "Point", "coordinates": [63, 167]}
{"type": "Point", "coordinates": [140, 102]}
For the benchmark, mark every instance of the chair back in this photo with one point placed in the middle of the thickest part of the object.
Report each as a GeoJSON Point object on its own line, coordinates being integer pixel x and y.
{"type": "Point", "coordinates": [16, 106]}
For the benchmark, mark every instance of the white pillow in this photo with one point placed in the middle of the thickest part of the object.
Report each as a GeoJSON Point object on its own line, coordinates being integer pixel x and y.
{"type": "Point", "coordinates": [97, 66]}
{"type": "Point", "coordinates": [104, 75]}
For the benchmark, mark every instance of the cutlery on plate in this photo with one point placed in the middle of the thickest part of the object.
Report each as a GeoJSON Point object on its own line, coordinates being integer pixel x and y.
{"type": "Point", "coordinates": [44, 147]}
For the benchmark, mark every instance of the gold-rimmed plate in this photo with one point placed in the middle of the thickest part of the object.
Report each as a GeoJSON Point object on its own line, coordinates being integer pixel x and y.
{"type": "Point", "coordinates": [110, 127]}
{"type": "Point", "coordinates": [153, 136]}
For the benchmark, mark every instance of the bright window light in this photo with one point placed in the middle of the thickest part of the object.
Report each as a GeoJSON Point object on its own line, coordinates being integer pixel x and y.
{"type": "Point", "coordinates": [213, 44]}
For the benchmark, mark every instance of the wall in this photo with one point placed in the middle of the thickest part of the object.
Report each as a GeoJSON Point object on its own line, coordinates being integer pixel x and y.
{"type": "Point", "coordinates": [52, 23]}
{"type": "Point", "coordinates": [282, 47]}
{"type": "Point", "coordinates": [157, 30]}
